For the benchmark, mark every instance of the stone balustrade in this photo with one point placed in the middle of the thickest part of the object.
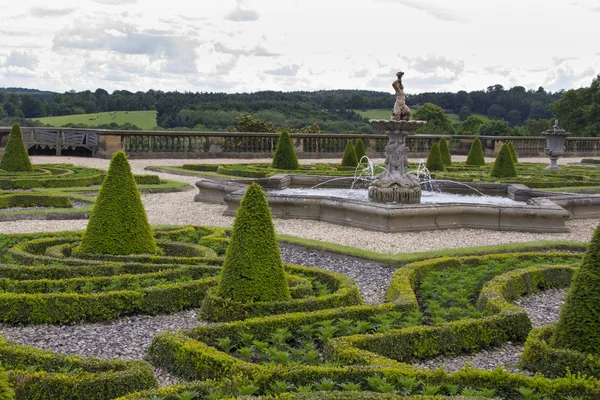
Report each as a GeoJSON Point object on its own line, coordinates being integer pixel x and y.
{"type": "Point", "coordinates": [199, 144]}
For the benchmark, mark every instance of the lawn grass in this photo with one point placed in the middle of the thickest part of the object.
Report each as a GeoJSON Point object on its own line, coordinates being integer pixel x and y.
{"type": "Point", "coordinates": [145, 120]}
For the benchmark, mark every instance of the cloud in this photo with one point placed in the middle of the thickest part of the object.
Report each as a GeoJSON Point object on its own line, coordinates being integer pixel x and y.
{"type": "Point", "coordinates": [240, 14]}
{"type": "Point", "coordinates": [115, 2]}
{"type": "Point", "coordinates": [257, 51]}
{"type": "Point", "coordinates": [433, 64]}
{"type": "Point", "coordinates": [360, 74]}
{"type": "Point", "coordinates": [288, 70]}
{"type": "Point", "coordinates": [556, 61]}
{"type": "Point", "coordinates": [43, 12]}
{"type": "Point", "coordinates": [5, 32]}
{"type": "Point", "coordinates": [178, 52]}
{"type": "Point", "coordinates": [565, 77]}
{"type": "Point", "coordinates": [498, 70]}
{"type": "Point", "coordinates": [21, 59]}
{"type": "Point", "coordinates": [429, 8]}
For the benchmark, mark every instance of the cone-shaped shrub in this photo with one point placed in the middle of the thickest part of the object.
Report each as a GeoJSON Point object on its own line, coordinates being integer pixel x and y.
{"type": "Point", "coordinates": [504, 167]}
{"type": "Point", "coordinates": [578, 327]}
{"type": "Point", "coordinates": [445, 151]}
{"type": "Point", "coordinates": [349, 158]}
{"type": "Point", "coordinates": [6, 393]}
{"type": "Point", "coordinates": [15, 157]}
{"type": "Point", "coordinates": [118, 224]}
{"type": "Point", "coordinates": [285, 155]}
{"type": "Point", "coordinates": [475, 156]}
{"type": "Point", "coordinates": [513, 153]}
{"type": "Point", "coordinates": [360, 150]}
{"type": "Point", "coordinates": [252, 268]}
{"type": "Point", "coordinates": [434, 161]}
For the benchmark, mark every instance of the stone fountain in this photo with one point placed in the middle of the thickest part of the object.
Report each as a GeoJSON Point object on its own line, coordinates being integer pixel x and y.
{"type": "Point", "coordinates": [395, 184]}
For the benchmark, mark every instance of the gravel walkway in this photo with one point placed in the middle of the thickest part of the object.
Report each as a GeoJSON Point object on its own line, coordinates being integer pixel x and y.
{"type": "Point", "coordinates": [543, 309]}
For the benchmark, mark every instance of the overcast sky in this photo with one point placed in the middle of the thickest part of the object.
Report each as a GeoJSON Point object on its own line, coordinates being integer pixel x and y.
{"type": "Point", "coordinates": [251, 45]}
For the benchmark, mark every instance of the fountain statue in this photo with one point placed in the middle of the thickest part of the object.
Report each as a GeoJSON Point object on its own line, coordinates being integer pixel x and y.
{"type": "Point", "coordinates": [395, 184]}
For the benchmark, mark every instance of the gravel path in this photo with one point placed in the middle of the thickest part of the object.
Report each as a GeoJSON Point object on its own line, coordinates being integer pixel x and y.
{"type": "Point", "coordinates": [543, 309]}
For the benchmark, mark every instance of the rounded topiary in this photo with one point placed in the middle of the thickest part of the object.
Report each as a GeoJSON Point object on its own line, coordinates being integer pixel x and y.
{"type": "Point", "coordinates": [445, 151]}
{"type": "Point", "coordinates": [578, 327]}
{"type": "Point", "coordinates": [6, 392]}
{"type": "Point", "coordinates": [360, 150]}
{"type": "Point", "coordinates": [504, 167]}
{"type": "Point", "coordinates": [285, 155]}
{"type": "Point", "coordinates": [118, 224]}
{"type": "Point", "coordinates": [475, 156]}
{"type": "Point", "coordinates": [15, 157]}
{"type": "Point", "coordinates": [513, 153]}
{"type": "Point", "coordinates": [252, 267]}
{"type": "Point", "coordinates": [349, 158]}
{"type": "Point", "coordinates": [434, 160]}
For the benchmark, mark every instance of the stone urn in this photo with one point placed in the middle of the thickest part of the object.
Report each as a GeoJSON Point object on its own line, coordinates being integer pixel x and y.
{"type": "Point", "coordinates": [555, 145]}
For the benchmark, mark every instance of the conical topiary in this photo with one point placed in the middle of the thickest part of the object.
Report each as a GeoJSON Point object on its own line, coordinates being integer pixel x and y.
{"type": "Point", "coordinates": [513, 153]}
{"type": "Point", "coordinates": [578, 327]}
{"type": "Point", "coordinates": [15, 157]}
{"type": "Point", "coordinates": [285, 155]}
{"type": "Point", "coordinates": [434, 161]}
{"type": "Point", "coordinates": [252, 268]}
{"type": "Point", "coordinates": [349, 158]}
{"type": "Point", "coordinates": [445, 151]}
{"type": "Point", "coordinates": [475, 156]}
{"type": "Point", "coordinates": [359, 149]}
{"type": "Point", "coordinates": [504, 167]}
{"type": "Point", "coordinates": [118, 224]}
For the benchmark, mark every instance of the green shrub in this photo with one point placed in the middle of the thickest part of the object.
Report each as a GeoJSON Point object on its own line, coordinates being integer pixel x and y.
{"type": "Point", "coordinates": [252, 268]}
{"type": "Point", "coordinates": [445, 151]}
{"type": "Point", "coordinates": [434, 160]}
{"type": "Point", "coordinates": [513, 152]}
{"type": "Point", "coordinates": [34, 200]}
{"type": "Point", "coordinates": [6, 392]}
{"type": "Point", "coordinates": [578, 327]}
{"type": "Point", "coordinates": [15, 157]}
{"type": "Point", "coordinates": [349, 159]}
{"type": "Point", "coordinates": [475, 156]}
{"type": "Point", "coordinates": [504, 167]}
{"type": "Point", "coordinates": [118, 224]}
{"type": "Point", "coordinates": [360, 149]}
{"type": "Point", "coordinates": [285, 155]}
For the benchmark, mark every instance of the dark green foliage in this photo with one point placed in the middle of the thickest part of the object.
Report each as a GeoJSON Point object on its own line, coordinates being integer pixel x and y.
{"type": "Point", "coordinates": [285, 155]}
{"type": "Point", "coordinates": [360, 150]}
{"type": "Point", "coordinates": [34, 200]}
{"type": "Point", "coordinates": [579, 325]}
{"type": "Point", "coordinates": [504, 166]}
{"type": "Point", "coordinates": [118, 224]}
{"type": "Point", "coordinates": [513, 153]}
{"type": "Point", "coordinates": [15, 157]}
{"type": "Point", "coordinates": [438, 121]}
{"type": "Point", "coordinates": [475, 156]}
{"type": "Point", "coordinates": [253, 269]}
{"type": "Point", "coordinates": [434, 160]}
{"type": "Point", "coordinates": [349, 159]}
{"type": "Point", "coordinates": [445, 151]}
{"type": "Point", "coordinates": [6, 392]}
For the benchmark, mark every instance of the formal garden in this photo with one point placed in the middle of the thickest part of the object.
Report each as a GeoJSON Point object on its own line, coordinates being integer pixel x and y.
{"type": "Point", "coordinates": [275, 329]}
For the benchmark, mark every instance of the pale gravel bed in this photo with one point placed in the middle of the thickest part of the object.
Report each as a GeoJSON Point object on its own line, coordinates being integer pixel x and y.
{"type": "Point", "coordinates": [543, 308]}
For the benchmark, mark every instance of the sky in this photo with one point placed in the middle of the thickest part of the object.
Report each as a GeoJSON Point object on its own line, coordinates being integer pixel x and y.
{"type": "Point", "coordinates": [285, 45]}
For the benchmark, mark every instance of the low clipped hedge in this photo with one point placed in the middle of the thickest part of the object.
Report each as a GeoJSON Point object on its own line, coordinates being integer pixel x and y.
{"type": "Point", "coordinates": [345, 293]}
{"type": "Point", "coordinates": [37, 374]}
{"type": "Point", "coordinates": [34, 200]}
{"type": "Point", "coordinates": [224, 170]}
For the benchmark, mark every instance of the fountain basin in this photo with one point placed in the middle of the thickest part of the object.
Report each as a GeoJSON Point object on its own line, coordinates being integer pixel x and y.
{"type": "Point", "coordinates": [537, 214]}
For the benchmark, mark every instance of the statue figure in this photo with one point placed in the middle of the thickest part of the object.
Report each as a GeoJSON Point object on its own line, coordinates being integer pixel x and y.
{"type": "Point", "coordinates": [401, 111]}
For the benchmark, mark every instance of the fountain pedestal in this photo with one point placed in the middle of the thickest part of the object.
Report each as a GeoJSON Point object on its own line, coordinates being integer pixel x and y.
{"type": "Point", "coordinates": [395, 184]}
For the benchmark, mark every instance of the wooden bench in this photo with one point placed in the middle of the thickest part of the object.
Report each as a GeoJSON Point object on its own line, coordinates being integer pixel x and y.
{"type": "Point", "coordinates": [61, 139]}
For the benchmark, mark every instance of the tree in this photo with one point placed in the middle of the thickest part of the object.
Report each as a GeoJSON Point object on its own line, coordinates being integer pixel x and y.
{"type": "Point", "coordinates": [578, 327]}
{"type": "Point", "coordinates": [248, 123]}
{"type": "Point", "coordinates": [32, 108]}
{"type": "Point", "coordinates": [504, 167]}
{"type": "Point", "coordinates": [15, 157]}
{"type": "Point", "coordinates": [445, 152]}
{"type": "Point", "coordinates": [496, 111]}
{"type": "Point", "coordinates": [578, 110]}
{"type": "Point", "coordinates": [475, 156]}
{"type": "Point", "coordinates": [434, 160]}
{"type": "Point", "coordinates": [462, 99]}
{"type": "Point", "coordinates": [285, 155]}
{"type": "Point", "coordinates": [495, 127]}
{"type": "Point", "coordinates": [535, 127]}
{"type": "Point", "coordinates": [464, 113]}
{"type": "Point", "coordinates": [349, 158]}
{"type": "Point", "coordinates": [252, 267]}
{"type": "Point", "coordinates": [470, 126]}
{"type": "Point", "coordinates": [437, 120]}
{"type": "Point", "coordinates": [118, 224]}
{"type": "Point", "coordinates": [513, 118]}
